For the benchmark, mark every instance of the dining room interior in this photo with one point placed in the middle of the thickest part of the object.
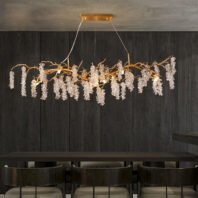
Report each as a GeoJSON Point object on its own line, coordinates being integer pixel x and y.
{"type": "Point", "coordinates": [98, 99]}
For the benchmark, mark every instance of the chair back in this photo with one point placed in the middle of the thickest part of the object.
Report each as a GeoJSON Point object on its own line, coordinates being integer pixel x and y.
{"type": "Point", "coordinates": [102, 176]}
{"type": "Point", "coordinates": [44, 164]}
{"type": "Point", "coordinates": [101, 164]}
{"type": "Point", "coordinates": [168, 176]}
{"type": "Point", "coordinates": [12, 176]}
{"type": "Point", "coordinates": [159, 164]}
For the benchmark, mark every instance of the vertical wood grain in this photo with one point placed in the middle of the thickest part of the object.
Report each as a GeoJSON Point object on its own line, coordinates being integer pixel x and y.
{"type": "Point", "coordinates": [54, 113]}
{"type": "Point", "coordinates": [115, 114]}
{"type": "Point", "coordinates": [19, 116]}
{"type": "Point", "coordinates": [84, 115]}
{"type": "Point", "coordinates": [183, 52]}
{"type": "Point", "coordinates": [142, 122]}
{"type": "Point", "coordinates": [141, 118]}
{"type": "Point", "coordinates": [194, 87]}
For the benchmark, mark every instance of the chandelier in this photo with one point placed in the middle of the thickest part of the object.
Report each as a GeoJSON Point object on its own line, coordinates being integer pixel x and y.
{"type": "Point", "coordinates": [67, 78]}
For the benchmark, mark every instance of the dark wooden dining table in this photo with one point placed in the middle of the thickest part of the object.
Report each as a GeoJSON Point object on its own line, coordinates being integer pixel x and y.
{"type": "Point", "coordinates": [98, 156]}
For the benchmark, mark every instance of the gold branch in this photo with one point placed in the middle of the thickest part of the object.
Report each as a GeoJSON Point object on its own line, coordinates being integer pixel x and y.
{"type": "Point", "coordinates": [65, 69]}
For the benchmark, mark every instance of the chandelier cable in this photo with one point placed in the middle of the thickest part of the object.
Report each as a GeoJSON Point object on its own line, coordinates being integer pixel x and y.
{"type": "Point", "coordinates": [74, 42]}
{"type": "Point", "coordinates": [76, 36]}
{"type": "Point", "coordinates": [115, 30]}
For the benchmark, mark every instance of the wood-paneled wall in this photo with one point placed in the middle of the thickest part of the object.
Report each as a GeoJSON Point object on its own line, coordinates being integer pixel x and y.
{"type": "Point", "coordinates": [142, 122]}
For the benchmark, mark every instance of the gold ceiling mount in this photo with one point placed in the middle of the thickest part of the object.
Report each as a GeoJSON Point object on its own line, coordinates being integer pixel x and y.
{"type": "Point", "coordinates": [96, 17]}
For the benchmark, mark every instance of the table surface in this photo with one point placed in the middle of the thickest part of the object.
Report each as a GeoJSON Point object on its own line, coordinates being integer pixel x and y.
{"type": "Point", "coordinates": [191, 138]}
{"type": "Point", "coordinates": [98, 156]}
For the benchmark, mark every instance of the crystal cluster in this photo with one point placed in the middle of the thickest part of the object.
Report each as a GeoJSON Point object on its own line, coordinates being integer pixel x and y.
{"type": "Point", "coordinates": [11, 81]}
{"type": "Point", "coordinates": [23, 81]}
{"type": "Point", "coordinates": [170, 72]}
{"type": "Point", "coordinates": [68, 79]}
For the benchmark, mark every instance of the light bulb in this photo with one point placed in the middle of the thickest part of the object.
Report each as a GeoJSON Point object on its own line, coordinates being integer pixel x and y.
{"type": "Point", "coordinates": [104, 81]}
{"type": "Point", "coordinates": [35, 82]}
{"type": "Point", "coordinates": [156, 78]}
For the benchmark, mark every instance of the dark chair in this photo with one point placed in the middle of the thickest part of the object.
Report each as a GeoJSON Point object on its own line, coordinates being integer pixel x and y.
{"type": "Point", "coordinates": [135, 185]}
{"type": "Point", "coordinates": [101, 164]}
{"type": "Point", "coordinates": [29, 182]}
{"type": "Point", "coordinates": [39, 164]}
{"type": "Point", "coordinates": [45, 164]}
{"type": "Point", "coordinates": [101, 182]}
{"type": "Point", "coordinates": [159, 164]}
{"type": "Point", "coordinates": [169, 182]}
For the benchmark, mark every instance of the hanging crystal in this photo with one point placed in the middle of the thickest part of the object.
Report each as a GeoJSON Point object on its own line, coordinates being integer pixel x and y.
{"type": "Point", "coordinates": [23, 81]}
{"type": "Point", "coordinates": [11, 81]}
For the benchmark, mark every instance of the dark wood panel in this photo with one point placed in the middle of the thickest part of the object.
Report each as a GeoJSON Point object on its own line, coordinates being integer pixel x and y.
{"type": "Point", "coordinates": [54, 113]}
{"type": "Point", "coordinates": [194, 81]}
{"type": "Point", "coordinates": [115, 115]}
{"type": "Point", "coordinates": [194, 87]}
{"type": "Point", "coordinates": [184, 78]}
{"type": "Point", "coordinates": [163, 107]}
{"type": "Point", "coordinates": [84, 115]}
{"type": "Point", "coordinates": [19, 116]}
{"type": "Point", "coordinates": [140, 48]}
{"type": "Point", "coordinates": [142, 122]}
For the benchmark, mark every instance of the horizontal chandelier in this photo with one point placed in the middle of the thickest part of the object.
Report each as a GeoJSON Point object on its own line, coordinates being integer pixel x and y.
{"type": "Point", "coordinates": [67, 78]}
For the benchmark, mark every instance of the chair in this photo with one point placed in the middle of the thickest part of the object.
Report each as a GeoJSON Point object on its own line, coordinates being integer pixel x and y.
{"type": "Point", "coordinates": [38, 164]}
{"type": "Point", "coordinates": [171, 164]}
{"type": "Point", "coordinates": [168, 182]}
{"type": "Point", "coordinates": [101, 164]}
{"type": "Point", "coordinates": [33, 182]}
{"type": "Point", "coordinates": [101, 182]}
{"type": "Point", "coordinates": [135, 185]}
{"type": "Point", "coordinates": [159, 164]}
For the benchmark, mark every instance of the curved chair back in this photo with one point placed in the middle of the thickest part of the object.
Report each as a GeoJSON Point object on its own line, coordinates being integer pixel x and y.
{"type": "Point", "coordinates": [102, 176]}
{"type": "Point", "coordinates": [168, 176]}
{"type": "Point", "coordinates": [159, 164]}
{"type": "Point", "coordinates": [47, 176]}
{"type": "Point", "coordinates": [45, 164]}
{"type": "Point", "coordinates": [100, 164]}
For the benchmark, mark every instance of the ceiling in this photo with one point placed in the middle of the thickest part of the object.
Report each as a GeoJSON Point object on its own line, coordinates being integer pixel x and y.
{"type": "Point", "coordinates": [129, 15]}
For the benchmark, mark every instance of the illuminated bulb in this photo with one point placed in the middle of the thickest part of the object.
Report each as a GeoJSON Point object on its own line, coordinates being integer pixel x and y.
{"type": "Point", "coordinates": [104, 81]}
{"type": "Point", "coordinates": [156, 78]}
{"type": "Point", "coordinates": [35, 82]}
{"type": "Point", "coordinates": [59, 69]}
